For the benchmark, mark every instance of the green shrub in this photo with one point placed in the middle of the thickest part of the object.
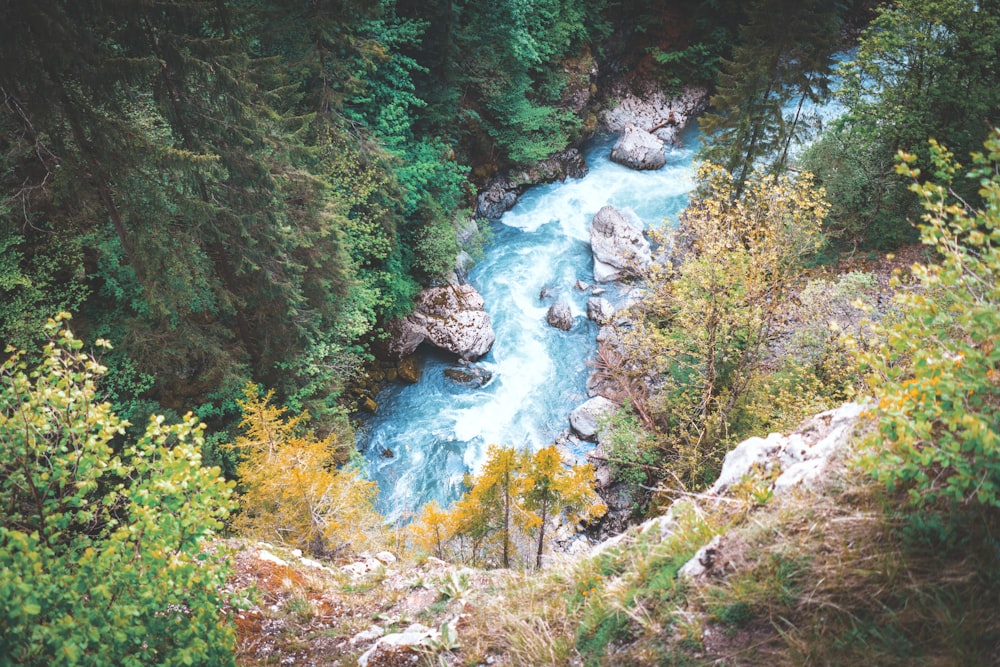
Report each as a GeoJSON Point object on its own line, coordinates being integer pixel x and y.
{"type": "Point", "coordinates": [936, 371]}
{"type": "Point", "coordinates": [103, 557]}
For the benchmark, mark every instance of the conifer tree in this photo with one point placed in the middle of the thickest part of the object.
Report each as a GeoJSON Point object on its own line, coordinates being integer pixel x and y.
{"type": "Point", "coordinates": [486, 512]}
{"type": "Point", "coordinates": [292, 490]}
{"type": "Point", "coordinates": [785, 52]}
{"type": "Point", "coordinates": [550, 487]}
{"type": "Point", "coordinates": [433, 529]}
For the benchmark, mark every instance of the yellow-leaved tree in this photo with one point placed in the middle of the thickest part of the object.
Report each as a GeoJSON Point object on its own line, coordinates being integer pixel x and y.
{"type": "Point", "coordinates": [549, 486]}
{"type": "Point", "coordinates": [293, 491]}
{"type": "Point", "coordinates": [432, 530]}
{"type": "Point", "coordinates": [503, 516]}
{"type": "Point", "coordinates": [702, 330]}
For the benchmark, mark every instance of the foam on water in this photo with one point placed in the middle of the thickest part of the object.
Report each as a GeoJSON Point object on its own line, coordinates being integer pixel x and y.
{"type": "Point", "coordinates": [426, 436]}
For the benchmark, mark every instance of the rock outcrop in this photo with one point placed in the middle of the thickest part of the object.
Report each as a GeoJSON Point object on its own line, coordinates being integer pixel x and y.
{"type": "Point", "coordinates": [450, 317]}
{"type": "Point", "coordinates": [470, 376]}
{"type": "Point", "coordinates": [801, 456]}
{"type": "Point", "coordinates": [655, 113]}
{"type": "Point", "coordinates": [586, 418]}
{"type": "Point", "coordinates": [638, 149]}
{"type": "Point", "coordinates": [618, 244]}
{"type": "Point", "coordinates": [501, 192]}
{"type": "Point", "coordinates": [600, 310]}
{"type": "Point", "coordinates": [560, 316]}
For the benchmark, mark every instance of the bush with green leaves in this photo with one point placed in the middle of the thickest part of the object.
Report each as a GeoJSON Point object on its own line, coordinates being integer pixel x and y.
{"type": "Point", "coordinates": [103, 552]}
{"type": "Point", "coordinates": [936, 368]}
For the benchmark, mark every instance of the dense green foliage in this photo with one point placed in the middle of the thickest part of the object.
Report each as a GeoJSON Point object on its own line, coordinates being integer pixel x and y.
{"type": "Point", "coordinates": [103, 554]}
{"type": "Point", "coordinates": [703, 328]}
{"type": "Point", "coordinates": [923, 68]}
{"type": "Point", "coordinates": [935, 368]}
{"type": "Point", "coordinates": [247, 190]}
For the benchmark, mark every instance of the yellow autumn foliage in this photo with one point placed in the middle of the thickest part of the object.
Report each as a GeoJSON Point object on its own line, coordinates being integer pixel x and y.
{"type": "Point", "coordinates": [704, 326]}
{"type": "Point", "coordinates": [293, 492]}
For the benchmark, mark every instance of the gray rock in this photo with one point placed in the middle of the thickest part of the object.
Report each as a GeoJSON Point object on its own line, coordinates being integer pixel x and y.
{"type": "Point", "coordinates": [654, 109]}
{"type": "Point", "coordinates": [371, 634]}
{"type": "Point", "coordinates": [470, 376]}
{"type": "Point", "coordinates": [560, 316]}
{"type": "Point", "coordinates": [600, 310]}
{"type": "Point", "coordinates": [703, 561]}
{"type": "Point", "coordinates": [801, 456]}
{"type": "Point", "coordinates": [386, 557]}
{"type": "Point", "coordinates": [618, 245]}
{"type": "Point", "coordinates": [501, 192]}
{"type": "Point", "coordinates": [450, 317]}
{"type": "Point", "coordinates": [638, 149]}
{"type": "Point", "coordinates": [499, 197]}
{"type": "Point", "coordinates": [586, 418]}
{"type": "Point", "coordinates": [415, 635]}
{"type": "Point", "coordinates": [602, 469]}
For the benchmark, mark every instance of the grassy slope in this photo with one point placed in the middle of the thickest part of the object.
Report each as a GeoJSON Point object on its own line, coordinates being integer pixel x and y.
{"type": "Point", "coordinates": [814, 577]}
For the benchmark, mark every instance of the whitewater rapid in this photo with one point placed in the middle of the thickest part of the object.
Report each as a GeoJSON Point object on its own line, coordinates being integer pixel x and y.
{"type": "Point", "coordinates": [438, 430]}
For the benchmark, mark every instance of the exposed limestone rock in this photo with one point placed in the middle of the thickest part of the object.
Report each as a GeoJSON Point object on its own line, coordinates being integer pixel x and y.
{"type": "Point", "coordinates": [450, 317]}
{"type": "Point", "coordinates": [501, 192]}
{"type": "Point", "coordinates": [371, 634]}
{"type": "Point", "coordinates": [703, 561]}
{"type": "Point", "coordinates": [655, 113]}
{"type": "Point", "coordinates": [618, 244]}
{"type": "Point", "coordinates": [602, 469]}
{"type": "Point", "coordinates": [600, 310]}
{"type": "Point", "coordinates": [638, 149]}
{"type": "Point", "coordinates": [560, 316]}
{"type": "Point", "coordinates": [386, 557]}
{"type": "Point", "coordinates": [585, 419]}
{"type": "Point", "coordinates": [801, 456]}
{"type": "Point", "coordinates": [414, 635]}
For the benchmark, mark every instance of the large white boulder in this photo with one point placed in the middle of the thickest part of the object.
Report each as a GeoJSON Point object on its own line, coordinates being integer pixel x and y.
{"type": "Point", "coordinates": [618, 245]}
{"type": "Point", "coordinates": [586, 418]}
{"type": "Point", "coordinates": [639, 149]}
{"type": "Point", "coordinates": [801, 456]}
{"type": "Point", "coordinates": [450, 317]}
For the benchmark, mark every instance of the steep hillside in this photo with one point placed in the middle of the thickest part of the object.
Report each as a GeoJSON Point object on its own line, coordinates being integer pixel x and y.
{"type": "Point", "coordinates": [791, 559]}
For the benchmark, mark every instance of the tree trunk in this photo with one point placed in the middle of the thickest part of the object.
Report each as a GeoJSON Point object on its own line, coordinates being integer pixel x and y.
{"type": "Point", "coordinates": [541, 536]}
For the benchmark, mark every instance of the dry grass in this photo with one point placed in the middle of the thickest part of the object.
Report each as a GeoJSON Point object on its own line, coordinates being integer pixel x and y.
{"type": "Point", "coordinates": [829, 578]}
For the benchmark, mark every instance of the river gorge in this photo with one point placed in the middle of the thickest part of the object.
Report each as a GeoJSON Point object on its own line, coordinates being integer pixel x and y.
{"type": "Point", "coordinates": [427, 436]}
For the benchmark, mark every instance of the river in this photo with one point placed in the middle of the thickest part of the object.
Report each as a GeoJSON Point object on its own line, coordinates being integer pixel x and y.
{"type": "Point", "coordinates": [438, 430]}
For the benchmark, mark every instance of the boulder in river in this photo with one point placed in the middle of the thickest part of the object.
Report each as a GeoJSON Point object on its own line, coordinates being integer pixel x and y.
{"type": "Point", "coordinates": [470, 376]}
{"type": "Point", "coordinates": [639, 149]}
{"type": "Point", "coordinates": [618, 244]}
{"type": "Point", "coordinates": [408, 369]}
{"type": "Point", "coordinates": [450, 317]}
{"type": "Point", "coordinates": [560, 316]}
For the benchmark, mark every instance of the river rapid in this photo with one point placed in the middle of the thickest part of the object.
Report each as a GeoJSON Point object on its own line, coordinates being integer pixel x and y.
{"type": "Point", "coordinates": [427, 436]}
